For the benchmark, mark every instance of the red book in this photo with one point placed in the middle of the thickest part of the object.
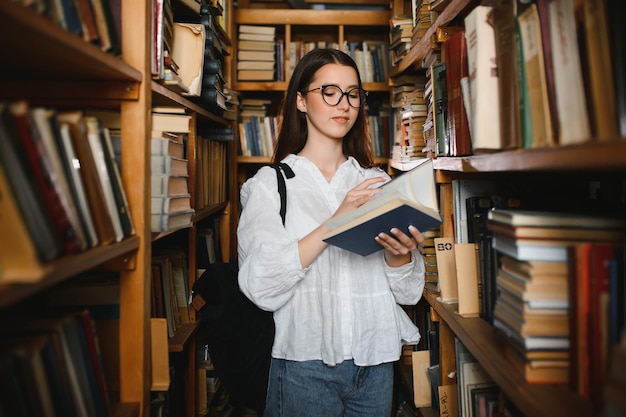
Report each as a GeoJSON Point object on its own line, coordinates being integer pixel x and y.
{"type": "Point", "coordinates": [55, 200]}
{"type": "Point", "coordinates": [455, 56]}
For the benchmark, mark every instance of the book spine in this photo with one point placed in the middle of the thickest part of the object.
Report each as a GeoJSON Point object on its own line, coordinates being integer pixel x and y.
{"type": "Point", "coordinates": [46, 180]}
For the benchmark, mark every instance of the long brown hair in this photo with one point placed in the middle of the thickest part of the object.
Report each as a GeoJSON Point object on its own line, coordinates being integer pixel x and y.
{"type": "Point", "coordinates": [293, 131]}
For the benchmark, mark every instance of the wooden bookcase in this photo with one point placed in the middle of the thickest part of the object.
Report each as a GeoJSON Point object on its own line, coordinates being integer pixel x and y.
{"type": "Point", "coordinates": [302, 25]}
{"type": "Point", "coordinates": [605, 158]}
{"type": "Point", "coordinates": [52, 67]}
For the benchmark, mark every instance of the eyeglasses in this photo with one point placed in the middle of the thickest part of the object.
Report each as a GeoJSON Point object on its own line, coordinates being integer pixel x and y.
{"type": "Point", "coordinates": [332, 95]}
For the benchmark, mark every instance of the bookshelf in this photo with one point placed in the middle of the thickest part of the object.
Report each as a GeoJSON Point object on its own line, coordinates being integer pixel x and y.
{"type": "Point", "coordinates": [303, 25]}
{"type": "Point", "coordinates": [593, 160]}
{"type": "Point", "coordinates": [54, 68]}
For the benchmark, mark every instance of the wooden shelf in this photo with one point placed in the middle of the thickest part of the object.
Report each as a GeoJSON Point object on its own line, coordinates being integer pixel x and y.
{"type": "Point", "coordinates": [59, 270]}
{"type": "Point", "coordinates": [178, 342]}
{"type": "Point", "coordinates": [536, 400]}
{"type": "Point", "coordinates": [163, 96]}
{"type": "Point", "coordinates": [39, 50]}
{"type": "Point", "coordinates": [591, 156]}
{"type": "Point", "coordinates": [318, 18]}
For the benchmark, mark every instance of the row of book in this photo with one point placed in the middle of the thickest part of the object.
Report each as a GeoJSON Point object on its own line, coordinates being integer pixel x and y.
{"type": "Point", "coordinates": [262, 57]}
{"type": "Point", "coordinates": [473, 393]}
{"type": "Point", "coordinates": [95, 21]}
{"type": "Point", "coordinates": [556, 87]}
{"type": "Point", "coordinates": [258, 132]}
{"type": "Point", "coordinates": [189, 56]}
{"type": "Point", "coordinates": [549, 282]}
{"type": "Point", "coordinates": [171, 202]}
{"type": "Point", "coordinates": [211, 187]}
{"type": "Point", "coordinates": [559, 295]}
{"type": "Point", "coordinates": [170, 288]}
{"type": "Point", "coordinates": [53, 366]}
{"type": "Point", "coordinates": [61, 187]}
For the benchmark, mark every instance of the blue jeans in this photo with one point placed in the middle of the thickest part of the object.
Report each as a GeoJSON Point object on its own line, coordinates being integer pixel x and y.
{"type": "Point", "coordinates": [312, 389]}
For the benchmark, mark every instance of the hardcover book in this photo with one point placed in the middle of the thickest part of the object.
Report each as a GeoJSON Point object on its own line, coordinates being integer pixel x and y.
{"type": "Point", "coordinates": [455, 57]}
{"type": "Point", "coordinates": [538, 104]}
{"type": "Point", "coordinates": [483, 80]}
{"type": "Point", "coordinates": [409, 199]}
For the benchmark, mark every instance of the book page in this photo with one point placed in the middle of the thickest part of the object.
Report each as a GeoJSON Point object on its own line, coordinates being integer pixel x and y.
{"type": "Point", "coordinates": [416, 185]}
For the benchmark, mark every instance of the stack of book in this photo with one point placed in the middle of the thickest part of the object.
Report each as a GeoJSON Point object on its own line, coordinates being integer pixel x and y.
{"type": "Point", "coordinates": [400, 37]}
{"type": "Point", "coordinates": [258, 135]}
{"type": "Point", "coordinates": [534, 306]}
{"type": "Point", "coordinates": [423, 19]}
{"type": "Point", "coordinates": [430, 257]}
{"type": "Point", "coordinates": [171, 207]}
{"type": "Point", "coordinates": [413, 111]}
{"type": "Point", "coordinates": [256, 53]}
{"type": "Point", "coordinates": [216, 47]}
{"type": "Point", "coordinates": [405, 88]}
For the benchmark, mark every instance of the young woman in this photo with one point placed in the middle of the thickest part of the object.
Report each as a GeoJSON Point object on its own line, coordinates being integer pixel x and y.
{"type": "Point", "coordinates": [339, 324]}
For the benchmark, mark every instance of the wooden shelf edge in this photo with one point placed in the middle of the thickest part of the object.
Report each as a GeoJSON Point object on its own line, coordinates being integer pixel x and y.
{"type": "Point", "coordinates": [181, 337]}
{"type": "Point", "coordinates": [65, 267]}
{"type": "Point", "coordinates": [205, 212]}
{"type": "Point", "coordinates": [589, 156]}
{"type": "Point", "coordinates": [312, 17]}
{"type": "Point", "coordinates": [80, 60]}
{"type": "Point", "coordinates": [164, 96]}
{"type": "Point", "coordinates": [537, 400]}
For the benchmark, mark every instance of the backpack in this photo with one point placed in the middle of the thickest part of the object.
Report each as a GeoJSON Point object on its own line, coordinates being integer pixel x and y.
{"type": "Point", "coordinates": [240, 334]}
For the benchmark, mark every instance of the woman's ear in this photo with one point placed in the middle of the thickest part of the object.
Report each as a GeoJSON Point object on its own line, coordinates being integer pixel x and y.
{"type": "Point", "coordinates": [300, 103]}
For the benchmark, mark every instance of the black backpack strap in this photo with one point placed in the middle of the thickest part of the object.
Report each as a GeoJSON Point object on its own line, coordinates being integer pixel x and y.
{"type": "Point", "coordinates": [283, 170]}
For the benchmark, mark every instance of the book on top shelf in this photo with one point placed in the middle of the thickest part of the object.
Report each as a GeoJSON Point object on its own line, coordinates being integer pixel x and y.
{"type": "Point", "coordinates": [601, 90]}
{"type": "Point", "coordinates": [188, 53]}
{"type": "Point", "coordinates": [538, 105]}
{"type": "Point", "coordinates": [408, 199]}
{"type": "Point", "coordinates": [483, 80]}
{"type": "Point", "coordinates": [569, 88]}
{"type": "Point", "coordinates": [455, 57]}
{"type": "Point", "coordinates": [503, 17]}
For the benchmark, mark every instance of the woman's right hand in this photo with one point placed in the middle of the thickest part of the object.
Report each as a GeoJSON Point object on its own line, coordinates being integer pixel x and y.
{"type": "Point", "coordinates": [357, 196]}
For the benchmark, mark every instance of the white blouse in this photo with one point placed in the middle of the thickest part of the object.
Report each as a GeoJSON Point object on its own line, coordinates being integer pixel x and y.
{"type": "Point", "coordinates": [344, 306]}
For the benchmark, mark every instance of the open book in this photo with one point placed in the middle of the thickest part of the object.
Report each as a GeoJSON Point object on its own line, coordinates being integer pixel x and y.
{"type": "Point", "coordinates": [408, 199]}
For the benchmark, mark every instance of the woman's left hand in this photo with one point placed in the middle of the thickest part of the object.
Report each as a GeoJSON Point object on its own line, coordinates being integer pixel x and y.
{"type": "Point", "coordinates": [398, 245]}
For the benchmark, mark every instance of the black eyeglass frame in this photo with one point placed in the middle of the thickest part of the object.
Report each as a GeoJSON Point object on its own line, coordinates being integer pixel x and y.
{"type": "Point", "coordinates": [362, 95]}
